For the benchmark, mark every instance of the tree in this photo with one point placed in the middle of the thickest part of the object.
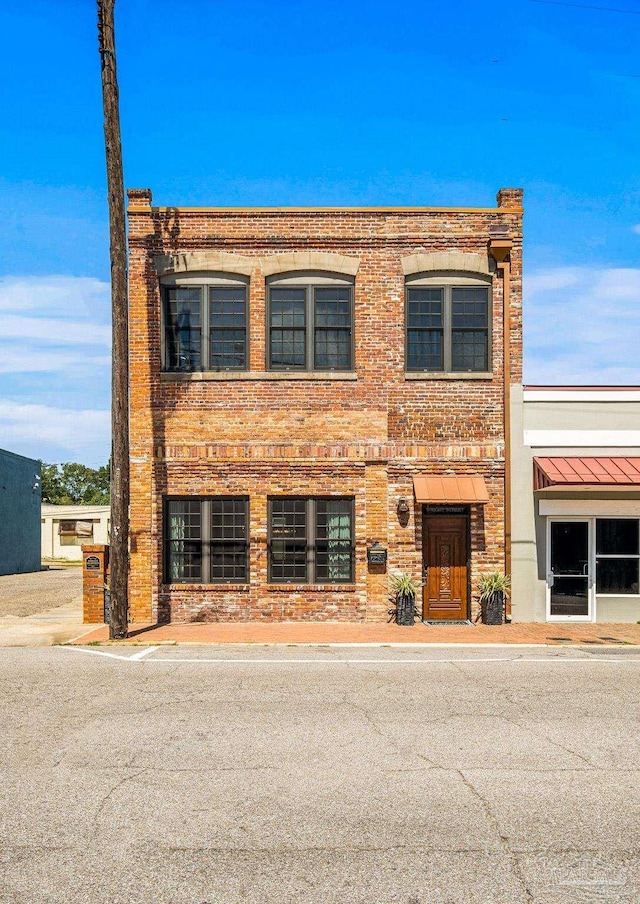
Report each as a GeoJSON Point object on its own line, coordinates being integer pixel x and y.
{"type": "Point", "coordinates": [119, 547]}
{"type": "Point", "coordinates": [75, 484]}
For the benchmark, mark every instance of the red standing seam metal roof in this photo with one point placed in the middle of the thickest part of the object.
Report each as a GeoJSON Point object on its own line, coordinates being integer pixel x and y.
{"type": "Point", "coordinates": [574, 471]}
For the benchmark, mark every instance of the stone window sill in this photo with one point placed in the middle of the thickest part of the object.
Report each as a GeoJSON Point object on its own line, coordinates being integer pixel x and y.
{"type": "Point", "coordinates": [208, 588]}
{"type": "Point", "coordinates": [440, 375]}
{"type": "Point", "coordinates": [231, 375]}
{"type": "Point", "coordinates": [311, 588]}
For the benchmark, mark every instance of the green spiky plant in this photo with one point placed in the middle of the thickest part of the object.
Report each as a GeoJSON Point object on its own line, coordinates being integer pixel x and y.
{"type": "Point", "coordinates": [495, 582]}
{"type": "Point", "coordinates": [403, 584]}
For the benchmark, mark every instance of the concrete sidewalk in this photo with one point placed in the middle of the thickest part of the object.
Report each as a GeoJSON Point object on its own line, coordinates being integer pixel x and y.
{"type": "Point", "coordinates": [60, 624]}
{"type": "Point", "coordinates": [336, 633]}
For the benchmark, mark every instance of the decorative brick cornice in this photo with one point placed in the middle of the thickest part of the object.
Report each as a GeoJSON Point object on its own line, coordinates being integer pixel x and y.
{"type": "Point", "coordinates": [340, 452]}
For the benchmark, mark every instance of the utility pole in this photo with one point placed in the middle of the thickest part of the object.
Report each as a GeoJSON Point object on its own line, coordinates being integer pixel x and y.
{"type": "Point", "coordinates": [119, 542]}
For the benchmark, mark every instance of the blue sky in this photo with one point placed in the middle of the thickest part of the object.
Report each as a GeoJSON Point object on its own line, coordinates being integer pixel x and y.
{"type": "Point", "coordinates": [308, 102]}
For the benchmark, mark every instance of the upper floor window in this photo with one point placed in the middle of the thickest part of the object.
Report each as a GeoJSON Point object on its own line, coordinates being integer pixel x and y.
{"type": "Point", "coordinates": [448, 324]}
{"type": "Point", "coordinates": [310, 322]}
{"type": "Point", "coordinates": [205, 323]}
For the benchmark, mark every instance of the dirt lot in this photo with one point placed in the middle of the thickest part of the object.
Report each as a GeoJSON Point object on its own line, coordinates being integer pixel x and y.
{"type": "Point", "coordinates": [27, 594]}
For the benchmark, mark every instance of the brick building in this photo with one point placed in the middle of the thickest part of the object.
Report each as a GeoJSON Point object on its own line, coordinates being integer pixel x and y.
{"type": "Point", "coordinates": [309, 388]}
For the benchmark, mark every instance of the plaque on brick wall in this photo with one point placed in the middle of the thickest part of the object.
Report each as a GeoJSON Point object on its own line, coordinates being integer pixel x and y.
{"type": "Point", "coordinates": [92, 563]}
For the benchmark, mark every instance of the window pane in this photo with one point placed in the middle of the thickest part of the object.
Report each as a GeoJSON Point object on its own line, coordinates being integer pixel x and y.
{"type": "Point", "coordinates": [424, 308]}
{"type": "Point", "coordinates": [617, 536]}
{"type": "Point", "coordinates": [333, 349]}
{"type": "Point", "coordinates": [229, 539]}
{"type": "Point", "coordinates": [617, 576]}
{"type": "Point", "coordinates": [470, 308]}
{"type": "Point", "coordinates": [569, 547]}
{"type": "Point", "coordinates": [288, 308]}
{"type": "Point", "coordinates": [334, 540]}
{"type": "Point", "coordinates": [425, 335]}
{"type": "Point", "coordinates": [183, 539]}
{"type": "Point", "coordinates": [570, 596]}
{"type": "Point", "coordinates": [183, 327]}
{"type": "Point", "coordinates": [333, 307]}
{"type": "Point", "coordinates": [287, 328]}
{"type": "Point", "coordinates": [425, 350]}
{"type": "Point", "coordinates": [288, 348]}
{"type": "Point", "coordinates": [227, 318]}
{"type": "Point", "coordinates": [288, 541]}
{"type": "Point", "coordinates": [469, 350]}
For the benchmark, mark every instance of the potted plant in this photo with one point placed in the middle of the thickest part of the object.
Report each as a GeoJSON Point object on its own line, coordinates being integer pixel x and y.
{"type": "Point", "coordinates": [404, 591]}
{"type": "Point", "coordinates": [494, 588]}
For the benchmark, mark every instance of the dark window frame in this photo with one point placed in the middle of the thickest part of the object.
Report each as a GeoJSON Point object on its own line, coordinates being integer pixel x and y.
{"type": "Point", "coordinates": [311, 286]}
{"type": "Point", "coordinates": [446, 286]}
{"type": "Point", "coordinates": [204, 286]}
{"type": "Point", "coordinates": [312, 545]}
{"type": "Point", "coordinates": [206, 542]}
{"type": "Point", "coordinates": [622, 556]}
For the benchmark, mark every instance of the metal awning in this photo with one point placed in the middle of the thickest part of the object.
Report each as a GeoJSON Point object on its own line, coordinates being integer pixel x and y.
{"type": "Point", "coordinates": [452, 488]}
{"type": "Point", "coordinates": [585, 472]}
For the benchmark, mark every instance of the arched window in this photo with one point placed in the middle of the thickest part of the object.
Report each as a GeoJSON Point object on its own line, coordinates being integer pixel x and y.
{"type": "Point", "coordinates": [205, 322]}
{"type": "Point", "coordinates": [448, 323]}
{"type": "Point", "coordinates": [310, 321]}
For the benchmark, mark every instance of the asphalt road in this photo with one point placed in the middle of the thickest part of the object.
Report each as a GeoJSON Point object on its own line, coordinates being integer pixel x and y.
{"type": "Point", "coordinates": [319, 775]}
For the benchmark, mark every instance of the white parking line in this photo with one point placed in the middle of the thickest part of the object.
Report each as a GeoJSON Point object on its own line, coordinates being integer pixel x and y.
{"type": "Point", "coordinates": [135, 658]}
{"type": "Point", "coordinates": [143, 654]}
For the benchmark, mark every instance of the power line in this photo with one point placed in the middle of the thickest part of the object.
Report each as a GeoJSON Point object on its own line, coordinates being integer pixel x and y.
{"type": "Point", "coordinates": [604, 9]}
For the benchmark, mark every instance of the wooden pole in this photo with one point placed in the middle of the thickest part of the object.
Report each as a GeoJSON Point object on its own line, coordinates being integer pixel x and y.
{"type": "Point", "coordinates": [119, 541]}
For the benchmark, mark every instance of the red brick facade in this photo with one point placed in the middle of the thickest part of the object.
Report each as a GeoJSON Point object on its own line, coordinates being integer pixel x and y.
{"type": "Point", "coordinates": [362, 434]}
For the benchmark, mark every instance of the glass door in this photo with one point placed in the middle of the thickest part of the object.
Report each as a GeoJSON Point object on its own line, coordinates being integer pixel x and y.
{"type": "Point", "coordinates": [570, 576]}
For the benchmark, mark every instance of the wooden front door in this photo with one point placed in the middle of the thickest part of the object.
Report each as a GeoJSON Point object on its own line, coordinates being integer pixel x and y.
{"type": "Point", "coordinates": [445, 587]}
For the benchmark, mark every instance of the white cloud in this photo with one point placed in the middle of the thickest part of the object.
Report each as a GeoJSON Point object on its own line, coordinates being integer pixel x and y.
{"type": "Point", "coordinates": [55, 365]}
{"type": "Point", "coordinates": [38, 314]}
{"type": "Point", "coordinates": [581, 326]}
{"type": "Point", "coordinates": [72, 296]}
{"type": "Point", "coordinates": [55, 434]}
{"type": "Point", "coordinates": [636, 228]}
{"type": "Point", "coordinates": [51, 330]}
{"type": "Point", "coordinates": [54, 361]}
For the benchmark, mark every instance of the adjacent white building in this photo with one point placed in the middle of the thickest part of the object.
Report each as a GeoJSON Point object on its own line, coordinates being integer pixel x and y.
{"type": "Point", "coordinates": [67, 528]}
{"type": "Point", "coordinates": [575, 504]}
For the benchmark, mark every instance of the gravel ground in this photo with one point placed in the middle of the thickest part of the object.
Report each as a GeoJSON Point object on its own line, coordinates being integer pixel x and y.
{"type": "Point", "coordinates": [27, 594]}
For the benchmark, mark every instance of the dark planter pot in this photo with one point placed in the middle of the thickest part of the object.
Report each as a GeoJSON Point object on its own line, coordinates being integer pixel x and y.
{"type": "Point", "coordinates": [405, 609]}
{"type": "Point", "coordinates": [493, 608]}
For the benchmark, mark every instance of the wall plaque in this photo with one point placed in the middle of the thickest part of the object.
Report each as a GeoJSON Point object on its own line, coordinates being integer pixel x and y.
{"type": "Point", "coordinates": [92, 563]}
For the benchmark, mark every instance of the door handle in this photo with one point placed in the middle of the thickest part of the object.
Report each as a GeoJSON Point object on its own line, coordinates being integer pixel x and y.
{"type": "Point", "coordinates": [550, 579]}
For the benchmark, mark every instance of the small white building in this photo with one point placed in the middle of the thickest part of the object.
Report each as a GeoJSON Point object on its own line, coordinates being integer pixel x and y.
{"type": "Point", "coordinates": [67, 528]}
{"type": "Point", "coordinates": [576, 503]}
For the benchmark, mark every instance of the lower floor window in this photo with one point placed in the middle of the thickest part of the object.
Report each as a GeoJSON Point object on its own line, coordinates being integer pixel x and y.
{"type": "Point", "coordinates": [206, 540]}
{"type": "Point", "coordinates": [310, 540]}
{"type": "Point", "coordinates": [617, 555]}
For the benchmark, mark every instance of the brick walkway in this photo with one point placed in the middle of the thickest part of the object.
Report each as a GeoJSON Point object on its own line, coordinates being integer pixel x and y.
{"type": "Point", "coordinates": [295, 632]}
